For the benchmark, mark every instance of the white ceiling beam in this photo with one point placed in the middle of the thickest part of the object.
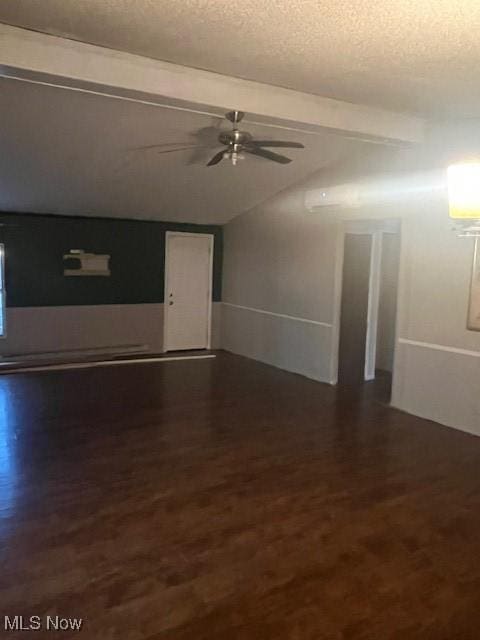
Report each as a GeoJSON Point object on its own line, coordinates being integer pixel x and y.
{"type": "Point", "coordinates": [39, 57]}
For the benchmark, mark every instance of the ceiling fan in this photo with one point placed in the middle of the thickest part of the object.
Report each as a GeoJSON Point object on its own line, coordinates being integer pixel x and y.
{"type": "Point", "coordinates": [237, 143]}
{"type": "Point", "coordinates": [240, 142]}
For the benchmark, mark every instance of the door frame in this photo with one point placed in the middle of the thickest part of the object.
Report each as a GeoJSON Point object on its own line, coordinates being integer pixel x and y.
{"type": "Point", "coordinates": [376, 229]}
{"type": "Point", "coordinates": [211, 238]}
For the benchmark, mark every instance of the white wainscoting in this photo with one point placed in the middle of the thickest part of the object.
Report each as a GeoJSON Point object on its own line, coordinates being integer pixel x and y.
{"type": "Point", "coordinates": [438, 382]}
{"type": "Point", "coordinates": [299, 345]}
{"type": "Point", "coordinates": [90, 328]}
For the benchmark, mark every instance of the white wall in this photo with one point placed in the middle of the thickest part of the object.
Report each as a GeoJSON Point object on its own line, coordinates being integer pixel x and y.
{"type": "Point", "coordinates": [102, 328]}
{"type": "Point", "coordinates": [283, 260]}
{"type": "Point", "coordinates": [278, 289]}
{"type": "Point", "coordinates": [437, 361]}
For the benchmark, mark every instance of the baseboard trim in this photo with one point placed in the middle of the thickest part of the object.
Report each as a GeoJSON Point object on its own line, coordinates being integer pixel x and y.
{"type": "Point", "coordinates": [279, 315]}
{"type": "Point", "coordinates": [440, 347]}
{"type": "Point", "coordinates": [100, 363]}
{"type": "Point", "coordinates": [112, 350]}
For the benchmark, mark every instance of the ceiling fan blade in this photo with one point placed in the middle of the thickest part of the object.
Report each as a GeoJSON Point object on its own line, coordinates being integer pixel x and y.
{"type": "Point", "coordinates": [193, 146]}
{"type": "Point", "coordinates": [278, 143]}
{"type": "Point", "coordinates": [160, 145]}
{"type": "Point", "coordinates": [216, 158]}
{"type": "Point", "coordinates": [268, 155]}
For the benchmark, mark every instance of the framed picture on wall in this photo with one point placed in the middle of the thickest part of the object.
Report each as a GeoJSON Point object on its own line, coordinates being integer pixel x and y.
{"type": "Point", "coordinates": [474, 306]}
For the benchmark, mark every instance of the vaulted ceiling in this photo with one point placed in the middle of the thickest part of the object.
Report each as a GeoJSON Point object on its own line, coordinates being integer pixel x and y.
{"type": "Point", "coordinates": [69, 152]}
{"type": "Point", "coordinates": [408, 55]}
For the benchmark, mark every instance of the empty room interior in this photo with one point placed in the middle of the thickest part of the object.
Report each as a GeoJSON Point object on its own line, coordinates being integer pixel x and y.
{"type": "Point", "coordinates": [240, 320]}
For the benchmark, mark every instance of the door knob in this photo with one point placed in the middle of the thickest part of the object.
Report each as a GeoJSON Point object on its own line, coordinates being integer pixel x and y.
{"type": "Point", "coordinates": [170, 303]}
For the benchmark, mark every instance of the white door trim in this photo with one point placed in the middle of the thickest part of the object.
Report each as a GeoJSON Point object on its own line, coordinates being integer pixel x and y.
{"type": "Point", "coordinates": [373, 305]}
{"type": "Point", "coordinates": [210, 236]}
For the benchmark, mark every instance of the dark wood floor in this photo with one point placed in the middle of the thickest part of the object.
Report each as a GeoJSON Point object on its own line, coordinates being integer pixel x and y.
{"type": "Point", "coordinates": [227, 500]}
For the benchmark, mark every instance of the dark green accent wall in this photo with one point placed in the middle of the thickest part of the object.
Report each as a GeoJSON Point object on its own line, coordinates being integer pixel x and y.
{"type": "Point", "coordinates": [35, 245]}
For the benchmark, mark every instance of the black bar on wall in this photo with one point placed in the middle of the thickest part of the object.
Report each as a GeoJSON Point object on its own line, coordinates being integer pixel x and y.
{"type": "Point", "coordinates": [35, 245]}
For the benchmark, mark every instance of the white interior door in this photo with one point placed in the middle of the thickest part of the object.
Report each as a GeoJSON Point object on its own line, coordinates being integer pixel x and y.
{"type": "Point", "coordinates": [188, 291]}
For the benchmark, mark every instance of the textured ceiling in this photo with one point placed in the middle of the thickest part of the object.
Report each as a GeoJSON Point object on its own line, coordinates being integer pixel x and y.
{"type": "Point", "coordinates": [74, 153]}
{"type": "Point", "coordinates": [415, 55]}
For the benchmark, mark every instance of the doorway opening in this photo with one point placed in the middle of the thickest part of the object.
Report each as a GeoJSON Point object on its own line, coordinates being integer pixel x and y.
{"type": "Point", "coordinates": [354, 308]}
{"type": "Point", "coordinates": [368, 306]}
{"type": "Point", "coordinates": [188, 291]}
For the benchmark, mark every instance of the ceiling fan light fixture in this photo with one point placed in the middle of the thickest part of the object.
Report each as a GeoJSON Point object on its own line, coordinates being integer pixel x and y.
{"type": "Point", "coordinates": [236, 156]}
{"type": "Point", "coordinates": [233, 156]}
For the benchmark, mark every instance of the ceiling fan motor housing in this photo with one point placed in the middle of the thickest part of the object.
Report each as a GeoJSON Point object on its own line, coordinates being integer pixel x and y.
{"type": "Point", "coordinates": [234, 137]}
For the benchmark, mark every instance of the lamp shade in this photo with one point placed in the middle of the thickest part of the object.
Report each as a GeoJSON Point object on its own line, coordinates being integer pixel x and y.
{"type": "Point", "coordinates": [464, 190]}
